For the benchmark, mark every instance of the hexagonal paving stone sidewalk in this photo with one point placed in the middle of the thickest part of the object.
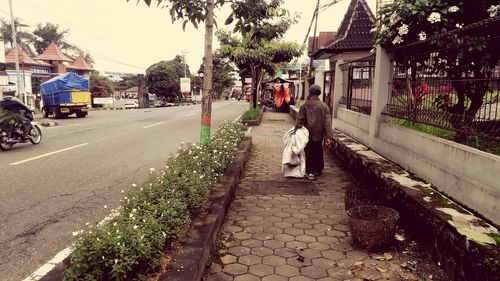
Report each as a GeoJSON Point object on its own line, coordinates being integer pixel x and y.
{"type": "Point", "coordinates": [273, 220]}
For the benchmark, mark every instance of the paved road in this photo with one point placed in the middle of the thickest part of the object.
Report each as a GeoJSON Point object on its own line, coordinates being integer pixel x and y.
{"type": "Point", "coordinates": [44, 196]}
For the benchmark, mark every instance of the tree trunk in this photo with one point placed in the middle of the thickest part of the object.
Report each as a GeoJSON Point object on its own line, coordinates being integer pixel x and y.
{"type": "Point", "coordinates": [254, 87]}
{"type": "Point", "coordinates": [206, 100]}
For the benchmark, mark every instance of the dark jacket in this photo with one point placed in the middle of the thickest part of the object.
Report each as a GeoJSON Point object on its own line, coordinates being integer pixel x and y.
{"type": "Point", "coordinates": [315, 116]}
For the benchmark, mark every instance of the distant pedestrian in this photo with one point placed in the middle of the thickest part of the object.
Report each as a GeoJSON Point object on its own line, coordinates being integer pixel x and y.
{"type": "Point", "coordinates": [315, 116]}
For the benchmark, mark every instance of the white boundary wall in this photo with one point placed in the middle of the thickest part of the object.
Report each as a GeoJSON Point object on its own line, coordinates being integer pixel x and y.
{"type": "Point", "coordinates": [468, 175]}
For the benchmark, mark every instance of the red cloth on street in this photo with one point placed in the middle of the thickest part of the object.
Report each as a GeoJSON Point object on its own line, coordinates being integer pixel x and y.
{"type": "Point", "coordinates": [281, 94]}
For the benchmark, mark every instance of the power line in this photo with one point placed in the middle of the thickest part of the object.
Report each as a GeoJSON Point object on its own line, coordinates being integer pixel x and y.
{"type": "Point", "coordinates": [93, 53]}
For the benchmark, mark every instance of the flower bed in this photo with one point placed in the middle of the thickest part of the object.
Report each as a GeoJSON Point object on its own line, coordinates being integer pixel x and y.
{"type": "Point", "coordinates": [252, 117]}
{"type": "Point", "coordinates": [153, 214]}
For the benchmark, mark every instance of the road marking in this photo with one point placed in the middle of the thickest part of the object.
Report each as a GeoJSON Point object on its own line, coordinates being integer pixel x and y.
{"type": "Point", "coordinates": [237, 118]}
{"type": "Point", "coordinates": [59, 257]}
{"type": "Point", "coordinates": [154, 125]}
{"type": "Point", "coordinates": [189, 114]}
{"type": "Point", "coordinates": [46, 154]}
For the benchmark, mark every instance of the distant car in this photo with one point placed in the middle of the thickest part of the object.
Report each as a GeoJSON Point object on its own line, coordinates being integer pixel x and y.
{"type": "Point", "coordinates": [130, 105]}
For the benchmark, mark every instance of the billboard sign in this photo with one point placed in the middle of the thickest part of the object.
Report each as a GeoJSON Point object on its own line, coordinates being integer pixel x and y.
{"type": "Point", "coordinates": [185, 85]}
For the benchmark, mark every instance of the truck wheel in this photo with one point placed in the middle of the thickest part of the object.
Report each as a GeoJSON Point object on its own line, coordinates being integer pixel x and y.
{"type": "Point", "coordinates": [81, 114]}
{"type": "Point", "coordinates": [57, 113]}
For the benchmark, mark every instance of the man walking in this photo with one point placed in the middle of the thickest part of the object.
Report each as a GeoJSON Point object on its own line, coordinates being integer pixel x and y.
{"type": "Point", "coordinates": [315, 116]}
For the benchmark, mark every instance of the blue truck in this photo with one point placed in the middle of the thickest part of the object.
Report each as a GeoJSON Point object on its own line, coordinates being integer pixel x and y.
{"type": "Point", "coordinates": [66, 94]}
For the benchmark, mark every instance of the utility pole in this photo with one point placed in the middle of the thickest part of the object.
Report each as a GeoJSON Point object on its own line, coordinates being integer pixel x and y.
{"type": "Point", "coordinates": [184, 62]}
{"type": "Point", "coordinates": [314, 37]}
{"type": "Point", "coordinates": [20, 88]}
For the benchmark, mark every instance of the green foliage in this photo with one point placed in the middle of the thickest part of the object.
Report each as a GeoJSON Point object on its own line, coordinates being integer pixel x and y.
{"type": "Point", "coordinates": [252, 113]}
{"type": "Point", "coordinates": [223, 73]}
{"type": "Point", "coordinates": [483, 144]}
{"type": "Point", "coordinates": [153, 214]}
{"type": "Point", "coordinates": [129, 81]}
{"type": "Point", "coordinates": [163, 78]}
{"type": "Point", "coordinates": [8, 120]}
{"type": "Point", "coordinates": [467, 58]}
{"type": "Point", "coordinates": [24, 38]}
{"type": "Point", "coordinates": [100, 86]}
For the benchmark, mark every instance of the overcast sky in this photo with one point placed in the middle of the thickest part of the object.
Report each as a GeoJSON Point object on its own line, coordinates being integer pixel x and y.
{"type": "Point", "coordinates": [128, 37]}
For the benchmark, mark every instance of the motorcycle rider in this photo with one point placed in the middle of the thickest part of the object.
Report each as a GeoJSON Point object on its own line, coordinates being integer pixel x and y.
{"type": "Point", "coordinates": [16, 106]}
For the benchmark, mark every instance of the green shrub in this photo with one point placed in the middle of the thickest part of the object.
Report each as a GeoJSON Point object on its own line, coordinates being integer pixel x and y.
{"type": "Point", "coordinates": [152, 215]}
{"type": "Point", "coordinates": [252, 113]}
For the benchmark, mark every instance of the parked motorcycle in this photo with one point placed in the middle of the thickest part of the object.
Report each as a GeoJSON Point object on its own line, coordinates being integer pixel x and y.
{"type": "Point", "coordinates": [15, 135]}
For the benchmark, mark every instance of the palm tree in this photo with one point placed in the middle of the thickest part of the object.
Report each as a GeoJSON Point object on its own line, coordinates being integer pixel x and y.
{"type": "Point", "coordinates": [24, 39]}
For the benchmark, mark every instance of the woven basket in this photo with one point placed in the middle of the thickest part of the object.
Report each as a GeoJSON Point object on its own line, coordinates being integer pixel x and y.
{"type": "Point", "coordinates": [372, 226]}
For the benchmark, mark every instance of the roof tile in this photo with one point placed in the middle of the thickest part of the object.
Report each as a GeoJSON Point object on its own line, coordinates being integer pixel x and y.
{"type": "Point", "coordinates": [53, 53]}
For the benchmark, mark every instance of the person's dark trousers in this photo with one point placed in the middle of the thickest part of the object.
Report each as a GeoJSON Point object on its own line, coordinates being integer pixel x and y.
{"type": "Point", "coordinates": [314, 157]}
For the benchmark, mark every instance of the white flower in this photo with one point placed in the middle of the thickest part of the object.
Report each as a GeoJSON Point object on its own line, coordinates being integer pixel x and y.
{"type": "Point", "coordinates": [135, 226]}
{"type": "Point", "coordinates": [134, 210]}
{"type": "Point", "coordinates": [105, 206]}
{"type": "Point", "coordinates": [453, 9]}
{"type": "Point", "coordinates": [75, 233]}
{"type": "Point", "coordinates": [493, 10]}
{"type": "Point", "coordinates": [397, 40]}
{"type": "Point", "coordinates": [134, 185]}
{"type": "Point", "coordinates": [116, 261]}
{"type": "Point", "coordinates": [103, 258]}
{"type": "Point", "coordinates": [422, 36]}
{"type": "Point", "coordinates": [434, 17]}
{"type": "Point", "coordinates": [123, 191]}
{"type": "Point", "coordinates": [403, 29]}
{"type": "Point", "coordinates": [87, 224]}
{"type": "Point", "coordinates": [130, 215]}
{"type": "Point", "coordinates": [114, 224]}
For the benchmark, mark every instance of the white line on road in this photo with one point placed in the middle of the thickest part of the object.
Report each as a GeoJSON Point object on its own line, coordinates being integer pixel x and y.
{"type": "Point", "coordinates": [46, 154]}
{"type": "Point", "coordinates": [154, 125]}
{"type": "Point", "coordinates": [237, 118]}
{"type": "Point", "coordinates": [59, 257]}
{"type": "Point", "coordinates": [189, 114]}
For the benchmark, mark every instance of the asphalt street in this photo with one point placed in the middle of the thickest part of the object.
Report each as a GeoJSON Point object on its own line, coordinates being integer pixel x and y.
{"type": "Point", "coordinates": [47, 190]}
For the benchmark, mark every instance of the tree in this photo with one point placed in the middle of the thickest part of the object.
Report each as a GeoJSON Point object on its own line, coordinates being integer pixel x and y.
{"type": "Point", "coordinates": [471, 55]}
{"type": "Point", "coordinates": [163, 78]}
{"type": "Point", "coordinates": [23, 38]}
{"type": "Point", "coordinates": [223, 77]}
{"type": "Point", "coordinates": [196, 11]}
{"type": "Point", "coordinates": [260, 54]}
{"type": "Point", "coordinates": [100, 86]}
{"type": "Point", "coordinates": [129, 81]}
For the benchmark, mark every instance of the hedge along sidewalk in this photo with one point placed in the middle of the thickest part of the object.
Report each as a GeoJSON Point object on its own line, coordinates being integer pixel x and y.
{"type": "Point", "coordinates": [189, 262]}
{"type": "Point", "coordinates": [154, 214]}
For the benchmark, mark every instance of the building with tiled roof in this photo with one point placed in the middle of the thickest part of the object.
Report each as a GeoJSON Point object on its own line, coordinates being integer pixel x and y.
{"type": "Point", "coordinates": [53, 53]}
{"type": "Point", "coordinates": [354, 33]}
{"type": "Point", "coordinates": [80, 66]}
{"type": "Point", "coordinates": [352, 41]}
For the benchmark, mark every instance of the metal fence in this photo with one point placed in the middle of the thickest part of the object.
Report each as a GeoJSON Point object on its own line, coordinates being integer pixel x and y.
{"type": "Point", "coordinates": [429, 87]}
{"type": "Point", "coordinates": [357, 86]}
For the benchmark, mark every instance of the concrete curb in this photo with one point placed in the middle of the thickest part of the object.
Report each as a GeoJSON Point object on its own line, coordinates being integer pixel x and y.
{"type": "Point", "coordinates": [189, 262]}
{"type": "Point", "coordinates": [462, 258]}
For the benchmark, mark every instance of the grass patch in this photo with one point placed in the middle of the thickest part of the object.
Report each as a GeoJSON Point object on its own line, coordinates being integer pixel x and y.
{"type": "Point", "coordinates": [482, 144]}
{"type": "Point", "coordinates": [252, 113]}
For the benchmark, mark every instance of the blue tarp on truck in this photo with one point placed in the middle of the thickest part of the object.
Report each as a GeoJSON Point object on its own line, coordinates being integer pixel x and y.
{"type": "Point", "coordinates": [66, 82]}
